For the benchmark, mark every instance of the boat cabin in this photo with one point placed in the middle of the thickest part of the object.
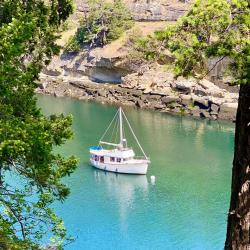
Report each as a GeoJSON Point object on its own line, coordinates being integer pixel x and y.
{"type": "Point", "coordinates": [111, 156]}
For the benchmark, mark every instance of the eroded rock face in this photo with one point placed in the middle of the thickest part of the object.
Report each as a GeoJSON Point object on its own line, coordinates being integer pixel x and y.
{"type": "Point", "coordinates": [154, 89]}
{"type": "Point", "coordinates": [93, 63]}
{"type": "Point", "coordinates": [156, 10]}
{"type": "Point", "coordinates": [144, 86]}
{"type": "Point", "coordinates": [148, 10]}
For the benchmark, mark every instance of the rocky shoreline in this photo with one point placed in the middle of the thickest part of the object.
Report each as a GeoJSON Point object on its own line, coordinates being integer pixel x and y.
{"type": "Point", "coordinates": [153, 90]}
{"type": "Point", "coordinates": [108, 74]}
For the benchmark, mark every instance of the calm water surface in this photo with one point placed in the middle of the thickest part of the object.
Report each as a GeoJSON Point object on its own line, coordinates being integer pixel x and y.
{"type": "Point", "coordinates": [185, 209]}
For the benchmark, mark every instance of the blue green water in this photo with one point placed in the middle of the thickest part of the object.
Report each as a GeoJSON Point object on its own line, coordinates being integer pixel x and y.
{"type": "Point", "coordinates": [185, 209]}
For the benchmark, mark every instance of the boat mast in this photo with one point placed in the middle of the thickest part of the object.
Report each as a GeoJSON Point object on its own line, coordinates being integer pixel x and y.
{"type": "Point", "coordinates": [126, 119]}
{"type": "Point", "coordinates": [121, 129]}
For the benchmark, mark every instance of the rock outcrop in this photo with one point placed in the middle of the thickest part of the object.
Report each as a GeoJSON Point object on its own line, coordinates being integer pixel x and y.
{"type": "Point", "coordinates": [105, 75]}
{"type": "Point", "coordinates": [157, 10]}
{"type": "Point", "coordinates": [148, 10]}
{"type": "Point", "coordinates": [153, 89]}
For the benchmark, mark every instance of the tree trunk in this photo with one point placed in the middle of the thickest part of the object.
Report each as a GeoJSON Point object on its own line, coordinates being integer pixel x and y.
{"type": "Point", "coordinates": [238, 233]}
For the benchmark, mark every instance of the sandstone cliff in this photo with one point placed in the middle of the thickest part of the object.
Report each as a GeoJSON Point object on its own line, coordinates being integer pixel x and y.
{"type": "Point", "coordinates": [151, 86]}
{"type": "Point", "coordinates": [149, 10]}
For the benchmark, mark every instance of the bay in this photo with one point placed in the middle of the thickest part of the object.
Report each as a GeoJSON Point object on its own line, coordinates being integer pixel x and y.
{"type": "Point", "coordinates": [187, 206]}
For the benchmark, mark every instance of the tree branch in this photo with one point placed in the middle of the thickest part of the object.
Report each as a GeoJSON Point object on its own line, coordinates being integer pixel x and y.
{"type": "Point", "coordinates": [213, 66]}
{"type": "Point", "coordinates": [18, 217]}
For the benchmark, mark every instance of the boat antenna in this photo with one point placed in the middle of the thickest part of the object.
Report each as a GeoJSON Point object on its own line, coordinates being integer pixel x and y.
{"type": "Point", "coordinates": [134, 135]}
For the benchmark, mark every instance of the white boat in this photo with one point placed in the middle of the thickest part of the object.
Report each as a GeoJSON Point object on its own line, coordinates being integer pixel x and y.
{"type": "Point", "coordinates": [120, 158]}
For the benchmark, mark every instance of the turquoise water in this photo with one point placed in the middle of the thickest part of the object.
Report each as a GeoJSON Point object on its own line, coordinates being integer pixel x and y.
{"type": "Point", "coordinates": [185, 209]}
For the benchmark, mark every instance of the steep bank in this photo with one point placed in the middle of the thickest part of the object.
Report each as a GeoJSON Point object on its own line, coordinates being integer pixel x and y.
{"type": "Point", "coordinates": [153, 89]}
{"type": "Point", "coordinates": [108, 75]}
{"type": "Point", "coordinates": [148, 10]}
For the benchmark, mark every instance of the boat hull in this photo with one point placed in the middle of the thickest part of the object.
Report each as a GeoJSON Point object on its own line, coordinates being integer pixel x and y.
{"type": "Point", "coordinates": [126, 168]}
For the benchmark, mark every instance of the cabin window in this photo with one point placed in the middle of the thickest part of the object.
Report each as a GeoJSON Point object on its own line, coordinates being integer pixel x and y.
{"type": "Point", "coordinates": [102, 159]}
{"type": "Point", "coordinates": [118, 159]}
{"type": "Point", "coordinates": [96, 158]}
{"type": "Point", "coordinates": [112, 159]}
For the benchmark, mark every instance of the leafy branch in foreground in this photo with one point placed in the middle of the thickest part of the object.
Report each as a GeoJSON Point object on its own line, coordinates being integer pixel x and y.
{"type": "Point", "coordinates": [30, 173]}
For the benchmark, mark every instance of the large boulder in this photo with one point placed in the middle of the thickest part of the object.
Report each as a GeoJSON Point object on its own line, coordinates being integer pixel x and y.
{"type": "Point", "coordinates": [168, 99]}
{"type": "Point", "coordinates": [204, 114]}
{"type": "Point", "coordinates": [102, 92]}
{"type": "Point", "coordinates": [231, 97]}
{"type": "Point", "coordinates": [228, 111]}
{"type": "Point", "coordinates": [207, 84]}
{"type": "Point", "coordinates": [186, 99]}
{"type": "Point", "coordinates": [185, 85]}
{"type": "Point", "coordinates": [198, 90]}
{"type": "Point", "coordinates": [140, 104]}
{"type": "Point", "coordinates": [216, 92]}
{"type": "Point", "coordinates": [151, 98]}
{"type": "Point", "coordinates": [214, 108]}
{"type": "Point", "coordinates": [196, 112]}
{"type": "Point", "coordinates": [200, 101]}
{"type": "Point", "coordinates": [216, 100]}
{"type": "Point", "coordinates": [161, 91]}
{"type": "Point", "coordinates": [212, 89]}
{"type": "Point", "coordinates": [135, 92]}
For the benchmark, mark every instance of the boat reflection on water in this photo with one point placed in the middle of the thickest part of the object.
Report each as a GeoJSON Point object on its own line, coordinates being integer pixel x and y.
{"type": "Point", "coordinates": [124, 189]}
{"type": "Point", "coordinates": [123, 185]}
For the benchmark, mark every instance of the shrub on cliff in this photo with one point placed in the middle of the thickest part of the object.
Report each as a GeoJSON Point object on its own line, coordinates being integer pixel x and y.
{"type": "Point", "coordinates": [142, 49]}
{"type": "Point", "coordinates": [101, 24]}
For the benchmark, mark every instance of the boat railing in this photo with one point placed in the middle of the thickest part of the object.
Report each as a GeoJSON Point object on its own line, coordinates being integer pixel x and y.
{"type": "Point", "coordinates": [141, 158]}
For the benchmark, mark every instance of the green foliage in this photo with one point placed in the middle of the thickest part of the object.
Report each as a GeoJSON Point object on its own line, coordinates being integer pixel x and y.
{"type": "Point", "coordinates": [142, 49]}
{"type": "Point", "coordinates": [27, 138]}
{"type": "Point", "coordinates": [72, 45]}
{"type": "Point", "coordinates": [145, 48]}
{"type": "Point", "coordinates": [213, 28]}
{"type": "Point", "coordinates": [104, 22]}
{"type": "Point", "coordinates": [59, 11]}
